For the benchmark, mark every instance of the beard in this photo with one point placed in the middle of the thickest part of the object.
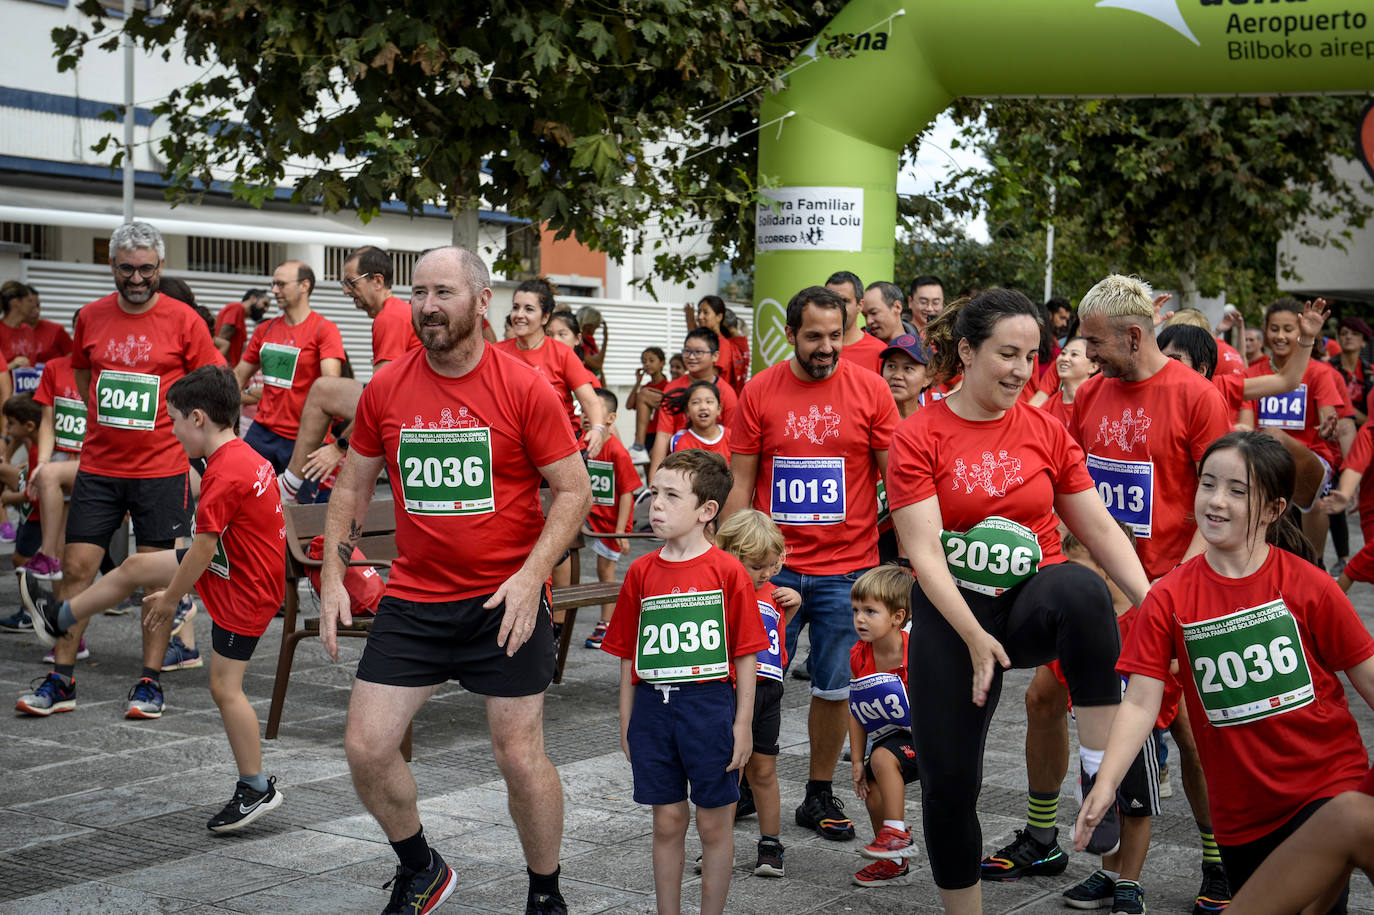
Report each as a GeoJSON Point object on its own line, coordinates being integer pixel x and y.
{"type": "Point", "coordinates": [440, 333]}
{"type": "Point", "coordinates": [819, 370]}
{"type": "Point", "coordinates": [135, 289]}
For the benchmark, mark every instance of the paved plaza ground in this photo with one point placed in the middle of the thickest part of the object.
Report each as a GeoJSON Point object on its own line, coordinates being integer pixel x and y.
{"type": "Point", "coordinates": [103, 815]}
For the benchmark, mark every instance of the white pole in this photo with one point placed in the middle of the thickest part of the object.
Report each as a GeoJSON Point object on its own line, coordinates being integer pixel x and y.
{"type": "Point", "coordinates": [1049, 250]}
{"type": "Point", "coordinates": [128, 115]}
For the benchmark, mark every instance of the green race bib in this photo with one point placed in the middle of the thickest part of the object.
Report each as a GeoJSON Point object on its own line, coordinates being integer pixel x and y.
{"type": "Point", "coordinates": [278, 363]}
{"type": "Point", "coordinates": [127, 400]}
{"type": "Point", "coordinates": [883, 512]}
{"type": "Point", "coordinates": [219, 563]}
{"type": "Point", "coordinates": [446, 471]}
{"type": "Point", "coordinates": [603, 482]}
{"type": "Point", "coordinates": [682, 637]}
{"type": "Point", "coordinates": [992, 556]}
{"type": "Point", "coordinates": [69, 422]}
{"type": "Point", "coordinates": [1248, 665]}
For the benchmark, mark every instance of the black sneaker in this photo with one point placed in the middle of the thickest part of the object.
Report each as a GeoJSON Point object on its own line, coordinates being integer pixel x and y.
{"type": "Point", "coordinates": [825, 814]}
{"type": "Point", "coordinates": [1128, 899]}
{"type": "Point", "coordinates": [745, 806]}
{"type": "Point", "coordinates": [1097, 891]}
{"type": "Point", "coordinates": [1215, 893]}
{"type": "Point", "coordinates": [418, 892]}
{"type": "Point", "coordinates": [1106, 838]}
{"type": "Point", "coordinates": [246, 806]}
{"type": "Point", "coordinates": [1025, 856]}
{"type": "Point", "coordinates": [769, 861]}
{"type": "Point", "coordinates": [17, 622]}
{"type": "Point", "coordinates": [544, 904]}
{"type": "Point", "coordinates": [42, 606]}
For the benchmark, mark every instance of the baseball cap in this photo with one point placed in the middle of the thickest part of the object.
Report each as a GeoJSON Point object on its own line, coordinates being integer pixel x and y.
{"type": "Point", "coordinates": [910, 344]}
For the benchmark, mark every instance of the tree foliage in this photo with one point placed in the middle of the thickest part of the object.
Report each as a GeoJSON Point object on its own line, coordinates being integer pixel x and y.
{"type": "Point", "coordinates": [1191, 193]}
{"type": "Point", "coordinates": [582, 114]}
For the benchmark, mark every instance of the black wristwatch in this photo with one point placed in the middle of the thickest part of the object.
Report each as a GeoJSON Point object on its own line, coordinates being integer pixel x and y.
{"type": "Point", "coordinates": [342, 443]}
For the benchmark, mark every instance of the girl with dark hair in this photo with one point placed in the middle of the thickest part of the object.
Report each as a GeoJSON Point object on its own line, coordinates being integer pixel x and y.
{"type": "Point", "coordinates": [700, 403]}
{"type": "Point", "coordinates": [1073, 367]}
{"type": "Point", "coordinates": [977, 484]}
{"type": "Point", "coordinates": [1259, 633]}
{"type": "Point", "coordinates": [732, 362]}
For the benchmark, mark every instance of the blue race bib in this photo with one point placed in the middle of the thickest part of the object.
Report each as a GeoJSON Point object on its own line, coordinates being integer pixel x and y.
{"type": "Point", "coordinates": [807, 490]}
{"type": "Point", "coordinates": [1284, 411]}
{"type": "Point", "coordinates": [26, 378]}
{"type": "Point", "coordinates": [879, 703]}
{"type": "Point", "coordinates": [770, 659]}
{"type": "Point", "coordinates": [1127, 489]}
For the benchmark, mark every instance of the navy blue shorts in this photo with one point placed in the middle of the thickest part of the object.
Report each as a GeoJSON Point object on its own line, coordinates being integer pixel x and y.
{"type": "Point", "coordinates": [29, 540]}
{"type": "Point", "coordinates": [276, 448]}
{"type": "Point", "coordinates": [687, 740]}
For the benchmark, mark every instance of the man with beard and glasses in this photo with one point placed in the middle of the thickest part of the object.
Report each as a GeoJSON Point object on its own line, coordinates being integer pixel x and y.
{"type": "Point", "coordinates": [465, 433]}
{"type": "Point", "coordinates": [808, 444]}
{"type": "Point", "coordinates": [130, 347]}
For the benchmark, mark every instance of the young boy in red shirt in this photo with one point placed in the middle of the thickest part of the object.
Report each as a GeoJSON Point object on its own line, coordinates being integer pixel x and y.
{"type": "Point", "coordinates": [687, 629]}
{"type": "Point", "coordinates": [238, 541]}
{"type": "Point", "coordinates": [614, 483]}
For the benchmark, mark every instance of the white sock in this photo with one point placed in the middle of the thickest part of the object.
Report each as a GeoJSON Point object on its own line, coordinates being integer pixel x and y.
{"type": "Point", "coordinates": [293, 482]}
{"type": "Point", "coordinates": [899, 825]}
{"type": "Point", "coordinates": [1092, 759]}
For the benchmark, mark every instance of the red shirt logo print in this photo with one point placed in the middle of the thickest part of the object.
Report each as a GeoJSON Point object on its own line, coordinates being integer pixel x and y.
{"type": "Point", "coordinates": [1128, 432]}
{"type": "Point", "coordinates": [993, 475]}
{"type": "Point", "coordinates": [816, 425]}
{"type": "Point", "coordinates": [129, 351]}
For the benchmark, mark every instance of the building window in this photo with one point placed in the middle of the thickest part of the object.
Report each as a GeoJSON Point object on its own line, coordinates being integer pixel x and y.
{"type": "Point", "coordinates": [522, 249]}
{"type": "Point", "coordinates": [402, 264]}
{"type": "Point", "coordinates": [232, 255]}
{"type": "Point", "coordinates": [42, 240]}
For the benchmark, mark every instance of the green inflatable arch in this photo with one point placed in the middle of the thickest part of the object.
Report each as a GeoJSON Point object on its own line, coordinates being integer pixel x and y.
{"type": "Point", "coordinates": [834, 135]}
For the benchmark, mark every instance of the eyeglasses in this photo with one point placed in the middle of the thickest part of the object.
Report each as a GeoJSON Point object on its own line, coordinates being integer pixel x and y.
{"type": "Point", "coordinates": [697, 353]}
{"type": "Point", "coordinates": [348, 284]}
{"type": "Point", "coordinates": [145, 270]}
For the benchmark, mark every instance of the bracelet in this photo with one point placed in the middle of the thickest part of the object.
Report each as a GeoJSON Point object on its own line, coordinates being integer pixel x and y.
{"type": "Point", "coordinates": [1302, 342]}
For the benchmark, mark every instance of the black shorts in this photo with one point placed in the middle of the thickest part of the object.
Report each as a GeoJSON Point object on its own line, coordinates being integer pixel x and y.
{"type": "Point", "coordinates": [424, 644]}
{"type": "Point", "coordinates": [898, 743]}
{"type": "Point", "coordinates": [231, 645]}
{"type": "Point", "coordinates": [160, 508]}
{"type": "Point", "coordinates": [1138, 794]}
{"type": "Point", "coordinates": [29, 539]}
{"type": "Point", "coordinates": [767, 715]}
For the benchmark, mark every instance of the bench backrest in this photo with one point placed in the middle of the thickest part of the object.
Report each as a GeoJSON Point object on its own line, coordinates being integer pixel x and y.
{"type": "Point", "coordinates": [305, 522]}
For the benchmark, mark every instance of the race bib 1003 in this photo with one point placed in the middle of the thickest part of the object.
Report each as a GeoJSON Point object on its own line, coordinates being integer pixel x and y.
{"type": "Point", "coordinates": [26, 378]}
{"type": "Point", "coordinates": [879, 703]}
{"type": "Point", "coordinates": [1284, 411]}
{"type": "Point", "coordinates": [807, 490]}
{"type": "Point", "coordinates": [682, 637]}
{"type": "Point", "coordinates": [1127, 489]}
{"type": "Point", "coordinates": [770, 659]}
{"type": "Point", "coordinates": [278, 363]}
{"type": "Point", "coordinates": [446, 471]}
{"type": "Point", "coordinates": [992, 556]}
{"type": "Point", "coordinates": [69, 423]}
{"type": "Point", "coordinates": [127, 400]}
{"type": "Point", "coordinates": [603, 482]}
{"type": "Point", "coordinates": [1248, 665]}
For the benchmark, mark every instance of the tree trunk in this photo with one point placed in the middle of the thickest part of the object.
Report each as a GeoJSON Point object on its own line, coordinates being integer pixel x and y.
{"type": "Point", "coordinates": [1187, 282]}
{"type": "Point", "coordinates": [465, 225]}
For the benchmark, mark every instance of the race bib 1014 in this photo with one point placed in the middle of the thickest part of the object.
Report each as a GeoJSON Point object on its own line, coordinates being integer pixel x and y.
{"type": "Point", "coordinates": [1248, 665]}
{"type": "Point", "coordinates": [1284, 411]}
{"type": "Point", "coordinates": [446, 471]}
{"type": "Point", "coordinates": [682, 637]}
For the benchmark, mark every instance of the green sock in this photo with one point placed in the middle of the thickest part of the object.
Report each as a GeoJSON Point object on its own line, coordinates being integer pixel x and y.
{"type": "Point", "coordinates": [1210, 853]}
{"type": "Point", "coordinates": [1041, 809]}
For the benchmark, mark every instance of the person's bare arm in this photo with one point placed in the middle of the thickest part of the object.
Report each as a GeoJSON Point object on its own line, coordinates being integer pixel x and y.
{"type": "Point", "coordinates": [343, 528]}
{"type": "Point", "coordinates": [1094, 526]}
{"type": "Point", "coordinates": [745, 469]}
{"type": "Point", "coordinates": [83, 384]}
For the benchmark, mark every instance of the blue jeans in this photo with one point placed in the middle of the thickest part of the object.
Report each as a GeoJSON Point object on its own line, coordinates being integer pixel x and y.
{"type": "Point", "coordinates": [826, 609]}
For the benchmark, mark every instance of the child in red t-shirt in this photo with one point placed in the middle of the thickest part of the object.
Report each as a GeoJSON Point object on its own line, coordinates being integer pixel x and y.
{"type": "Point", "coordinates": [880, 710]}
{"type": "Point", "coordinates": [687, 629]}
{"type": "Point", "coordinates": [235, 561]}
{"type": "Point", "coordinates": [614, 483]}
{"type": "Point", "coordinates": [700, 403]}
{"type": "Point", "coordinates": [1259, 632]}
{"type": "Point", "coordinates": [752, 538]}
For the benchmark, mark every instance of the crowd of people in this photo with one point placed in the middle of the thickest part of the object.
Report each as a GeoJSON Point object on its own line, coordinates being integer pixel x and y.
{"type": "Point", "coordinates": [1110, 494]}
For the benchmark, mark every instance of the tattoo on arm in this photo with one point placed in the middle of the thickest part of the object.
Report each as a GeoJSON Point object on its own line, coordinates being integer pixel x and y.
{"type": "Point", "coordinates": [355, 532]}
{"type": "Point", "coordinates": [345, 553]}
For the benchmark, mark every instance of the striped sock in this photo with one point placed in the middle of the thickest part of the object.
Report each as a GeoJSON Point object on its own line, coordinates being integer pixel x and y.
{"type": "Point", "coordinates": [1041, 809]}
{"type": "Point", "coordinates": [1210, 853]}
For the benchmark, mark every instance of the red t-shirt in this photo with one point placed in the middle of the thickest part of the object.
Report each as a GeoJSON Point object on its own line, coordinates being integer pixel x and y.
{"type": "Point", "coordinates": [739, 361]}
{"type": "Point", "coordinates": [561, 368]}
{"type": "Point", "coordinates": [1360, 457]}
{"type": "Point", "coordinates": [392, 331]}
{"type": "Point", "coordinates": [133, 359]}
{"type": "Point", "coordinates": [36, 344]}
{"type": "Point", "coordinates": [1056, 407]}
{"type": "Point", "coordinates": [1143, 440]}
{"type": "Point", "coordinates": [1229, 362]}
{"type": "Point", "coordinates": [1283, 742]}
{"type": "Point", "coordinates": [1298, 412]}
{"type": "Point", "coordinates": [240, 504]}
{"type": "Point", "coordinates": [233, 315]}
{"type": "Point", "coordinates": [817, 470]}
{"type": "Point", "coordinates": [867, 352]}
{"type": "Point", "coordinates": [57, 389]}
{"type": "Point", "coordinates": [669, 422]}
{"type": "Point", "coordinates": [297, 351]}
{"type": "Point", "coordinates": [861, 662]}
{"type": "Point", "coordinates": [1012, 467]}
{"type": "Point", "coordinates": [688, 439]}
{"type": "Point", "coordinates": [651, 576]}
{"type": "Point", "coordinates": [1231, 387]}
{"type": "Point", "coordinates": [613, 476]}
{"type": "Point", "coordinates": [476, 442]}
{"type": "Point", "coordinates": [653, 417]}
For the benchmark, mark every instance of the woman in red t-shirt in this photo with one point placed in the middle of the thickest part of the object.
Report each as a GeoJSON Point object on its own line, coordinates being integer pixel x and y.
{"type": "Point", "coordinates": [1073, 368]}
{"type": "Point", "coordinates": [977, 483]}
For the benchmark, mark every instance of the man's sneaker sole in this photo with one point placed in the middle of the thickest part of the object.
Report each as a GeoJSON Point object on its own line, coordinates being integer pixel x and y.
{"type": "Point", "coordinates": [266, 805]}
{"type": "Point", "coordinates": [888, 854]}
{"type": "Point", "coordinates": [65, 705]}
{"type": "Point", "coordinates": [768, 870]}
{"type": "Point", "coordinates": [1088, 905]}
{"type": "Point", "coordinates": [825, 828]}
{"type": "Point", "coordinates": [902, 880]}
{"type": "Point", "coordinates": [41, 631]}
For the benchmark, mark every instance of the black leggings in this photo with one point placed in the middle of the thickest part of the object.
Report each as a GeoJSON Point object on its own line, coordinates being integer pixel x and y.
{"type": "Point", "coordinates": [1063, 612]}
{"type": "Point", "coordinates": [1243, 861]}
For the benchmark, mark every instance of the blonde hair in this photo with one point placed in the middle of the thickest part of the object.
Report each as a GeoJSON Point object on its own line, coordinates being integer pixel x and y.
{"type": "Point", "coordinates": [750, 534]}
{"type": "Point", "coordinates": [1190, 316]}
{"type": "Point", "coordinates": [889, 585]}
{"type": "Point", "coordinates": [1118, 296]}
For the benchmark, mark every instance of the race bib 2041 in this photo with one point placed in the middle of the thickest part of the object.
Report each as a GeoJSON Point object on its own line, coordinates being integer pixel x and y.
{"type": "Point", "coordinates": [1248, 665]}
{"type": "Point", "coordinates": [992, 556]}
{"type": "Point", "coordinates": [446, 471]}
{"type": "Point", "coordinates": [807, 490]}
{"type": "Point", "coordinates": [682, 637]}
{"type": "Point", "coordinates": [127, 400]}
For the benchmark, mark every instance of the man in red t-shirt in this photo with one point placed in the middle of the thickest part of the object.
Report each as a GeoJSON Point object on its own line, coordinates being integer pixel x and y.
{"type": "Point", "coordinates": [809, 442]}
{"type": "Point", "coordinates": [366, 278]}
{"type": "Point", "coordinates": [231, 324]}
{"type": "Point", "coordinates": [292, 350]}
{"type": "Point", "coordinates": [466, 433]}
{"type": "Point", "coordinates": [130, 346]}
{"type": "Point", "coordinates": [864, 349]}
{"type": "Point", "coordinates": [882, 309]}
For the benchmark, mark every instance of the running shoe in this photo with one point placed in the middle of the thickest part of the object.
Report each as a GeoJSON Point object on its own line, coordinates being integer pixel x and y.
{"type": "Point", "coordinates": [145, 699]}
{"type": "Point", "coordinates": [639, 454]}
{"type": "Point", "coordinates": [38, 599]}
{"type": "Point", "coordinates": [51, 695]}
{"type": "Point", "coordinates": [185, 610]}
{"type": "Point", "coordinates": [44, 567]}
{"type": "Point", "coordinates": [1096, 892]}
{"type": "Point", "coordinates": [1215, 893]}
{"type": "Point", "coordinates": [1129, 898]}
{"type": "Point", "coordinates": [1025, 856]}
{"type": "Point", "coordinates": [884, 873]}
{"type": "Point", "coordinates": [545, 904]}
{"type": "Point", "coordinates": [1106, 838]}
{"type": "Point", "coordinates": [17, 622]}
{"type": "Point", "coordinates": [824, 813]}
{"type": "Point", "coordinates": [418, 892]}
{"type": "Point", "coordinates": [82, 653]}
{"type": "Point", "coordinates": [769, 861]}
{"type": "Point", "coordinates": [246, 806]}
{"type": "Point", "coordinates": [598, 634]}
{"type": "Point", "coordinates": [889, 845]}
{"type": "Point", "coordinates": [179, 657]}
{"type": "Point", "coordinates": [132, 602]}
{"type": "Point", "coordinates": [7, 532]}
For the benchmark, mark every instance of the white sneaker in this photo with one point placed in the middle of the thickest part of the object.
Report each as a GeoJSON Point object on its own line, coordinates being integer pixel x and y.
{"type": "Point", "coordinates": [638, 454]}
